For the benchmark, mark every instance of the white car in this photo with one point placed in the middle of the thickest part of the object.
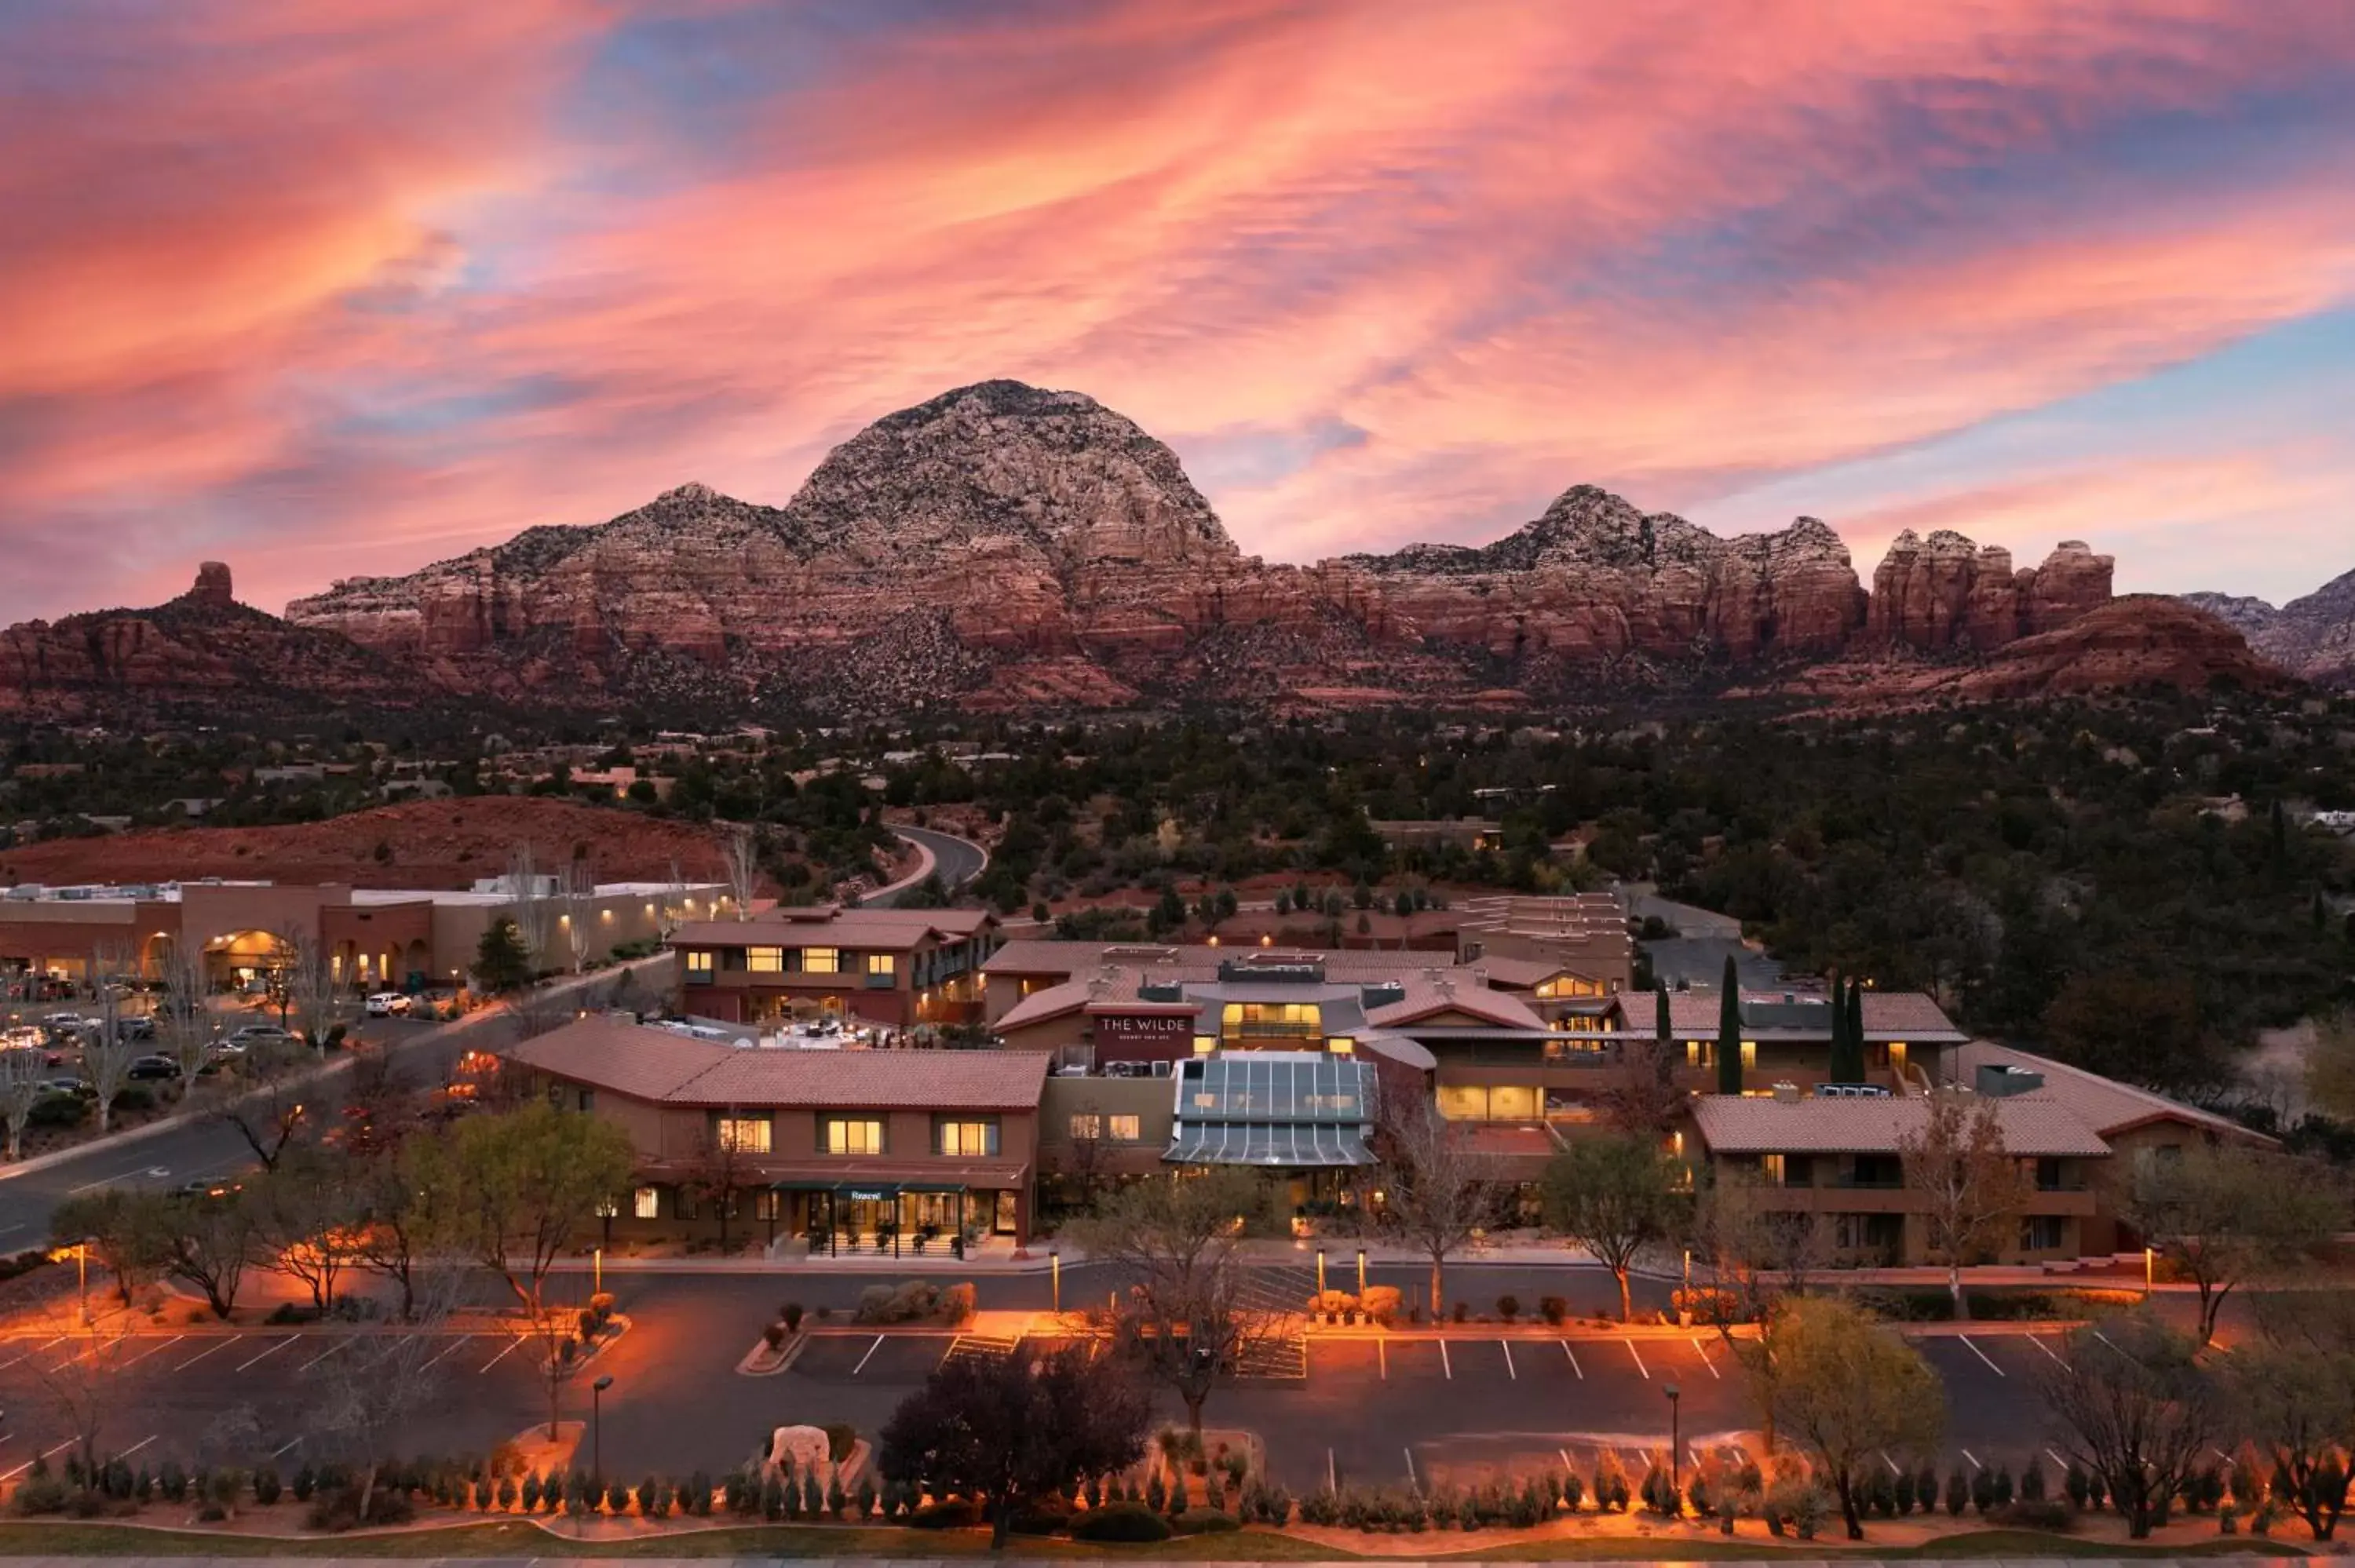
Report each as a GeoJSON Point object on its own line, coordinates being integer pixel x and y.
{"type": "Point", "coordinates": [387, 1005]}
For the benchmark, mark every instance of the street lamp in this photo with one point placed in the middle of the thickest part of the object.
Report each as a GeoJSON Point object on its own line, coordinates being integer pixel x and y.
{"type": "Point", "coordinates": [597, 1263]}
{"type": "Point", "coordinates": [1055, 1272]}
{"type": "Point", "coordinates": [2149, 1268]}
{"type": "Point", "coordinates": [1320, 1271]}
{"type": "Point", "coordinates": [1676, 1444]}
{"type": "Point", "coordinates": [82, 1269]}
{"type": "Point", "coordinates": [597, 1426]}
{"type": "Point", "coordinates": [1361, 1274]}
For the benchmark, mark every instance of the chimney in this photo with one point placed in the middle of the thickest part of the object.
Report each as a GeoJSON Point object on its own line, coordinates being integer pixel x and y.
{"type": "Point", "coordinates": [1786, 1094]}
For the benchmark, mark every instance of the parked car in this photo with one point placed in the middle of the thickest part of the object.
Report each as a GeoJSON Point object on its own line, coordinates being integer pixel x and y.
{"type": "Point", "coordinates": [140, 1028]}
{"type": "Point", "coordinates": [154, 1067]}
{"type": "Point", "coordinates": [70, 1086]}
{"type": "Point", "coordinates": [388, 1004]}
{"type": "Point", "coordinates": [253, 1032]}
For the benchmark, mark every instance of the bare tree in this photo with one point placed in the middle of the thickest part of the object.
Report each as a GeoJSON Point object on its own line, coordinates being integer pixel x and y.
{"type": "Point", "coordinates": [2130, 1401]}
{"type": "Point", "coordinates": [1186, 1315]}
{"type": "Point", "coordinates": [307, 982]}
{"type": "Point", "coordinates": [85, 1387]}
{"type": "Point", "coordinates": [184, 1022]}
{"type": "Point", "coordinates": [527, 892]}
{"type": "Point", "coordinates": [369, 1390]}
{"type": "Point", "coordinates": [107, 1055]}
{"type": "Point", "coordinates": [1437, 1194]}
{"type": "Point", "coordinates": [577, 890]}
{"type": "Point", "coordinates": [263, 1099]}
{"type": "Point", "coordinates": [722, 1170]}
{"type": "Point", "coordinates": [1751, 1250]}
{"type": "Point", "coordinates": [741, 855]}
{"type": "Point", "coordinates": [2226, 1214]}
{"type": "Point", "coordinates": [23, 1082]}
{"type": "Point", "coordinates": [670, 909]}
{"type": "Point", "coordinates": [1646, 1101]}
{"type": "Point", "coordinates": [1968, 1190]}
{"type": "Point", "coordinates": [209, 1242]}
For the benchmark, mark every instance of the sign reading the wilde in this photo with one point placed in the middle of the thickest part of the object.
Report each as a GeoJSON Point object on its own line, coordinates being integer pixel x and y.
{"type": "Point", "coordinates": [1145, 1034]}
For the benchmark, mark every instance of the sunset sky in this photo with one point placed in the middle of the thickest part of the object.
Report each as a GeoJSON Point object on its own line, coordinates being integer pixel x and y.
{"type": "Point", "coordinates": [327, 288]}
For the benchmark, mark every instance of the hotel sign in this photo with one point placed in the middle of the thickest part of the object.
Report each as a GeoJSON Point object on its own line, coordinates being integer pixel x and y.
{"type": "Point", "coordinates": [1155, 1034]}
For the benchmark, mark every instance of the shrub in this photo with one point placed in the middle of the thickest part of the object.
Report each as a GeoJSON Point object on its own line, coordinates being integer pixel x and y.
{"type": "Point", "coordinates": [1554, 1309]}
{"type": "Point", "coordinates": [957, 1303]}
{"type": "Point", "coordinates": [841, 1437]}
{"type": "Point", "coordinates": [531, 1493]}
{"type": "Point", "coordinates": [506, 1493]}
{"type": "Point", "coordinates": [338, 1509]}
{"type": "Point", "coordinates": [813, 1496]}
{"type": "Point", "coordinates": [47, 1494]}
{"type": "Point", "coordinates": [773, 1499]}
{"type": "Point", "coordinates": [862, 1501]}
{"type": "Point", "coordinates": [172, 1481]}
{"type": "Point", "coordinates": [1958, 1492]}
{"type": "Point", "coordinates": [1381, 1303]}
{"type": "Point", "coordinates": [1982, 1491]}
{"type": "Point", "coordinates": [790, 1315]}
{"type": "Point", "coordinates": [1121, 1522]}
{"type": "Point", "coordinates": [2003, 1488]}
{"type": "Point", "coordinates": [1156, 1494]}
{"type": "Point", "coordinates": [648, 1492]}
{"type": "Point", "coordinates": [601, 1304]}
{"type": "Point", "coordinates": [1571, 1491]}
{"type": "Point", "coordinates": [1463, 1311]}
{"type": "Point", "coordinates": [1925, 1488]}
{"type": "Point", "coordinates": [2037, 1513]}
{"type": "Point", "coordinates": [2031, 1481]}
{"type": "Point", "coordinates": [1508, 1306]}
{"type": "Point", "coordinates": [699, 1495]}
{"type": "Point", "coordinates": [954, 1515]}
{"type": "Point", "coordinates": [775, 1334]}
{"type": "Point", "coordinates": [1204, 1521]}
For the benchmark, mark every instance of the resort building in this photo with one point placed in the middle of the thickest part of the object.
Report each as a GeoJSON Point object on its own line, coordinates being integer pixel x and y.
{"type": "Point", "coordinates": [895, 967]}
{"type": "Point", "coordinates": [374, 937]}
{"type": "Point", "coordinates": [1786, 1036]}
{"type": "Point", "coordinates": [909, 1152]}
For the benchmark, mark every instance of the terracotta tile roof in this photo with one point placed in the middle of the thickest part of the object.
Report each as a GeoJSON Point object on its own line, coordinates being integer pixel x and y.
{"type": "Point", "coordinates": [2103, 1104]}
{"type": "Point", "coordinates": [1735, 1123]}
{"type": "Point", "coordinates": [1426, 998]}
{"type": "Point", "coordinates": [896, 929]}
{"type": "Point", "coordinates": [1908, 1015]}
{"type": "Point", "coordinates": [657, 1064]}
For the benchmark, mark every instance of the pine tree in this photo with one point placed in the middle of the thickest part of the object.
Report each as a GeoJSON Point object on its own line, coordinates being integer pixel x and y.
{"type": "Point", "coordinates": [1729, 1031]}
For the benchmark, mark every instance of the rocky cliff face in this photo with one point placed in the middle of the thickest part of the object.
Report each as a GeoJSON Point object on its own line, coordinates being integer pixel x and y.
{"type": "Point", "coordinates": [1946, 592]}
{"type": "Point", "coordinates": [1001, 545]}
{"type": "Point", "coordinates": [2312, 638]}
{"type": "Point", "coordinates": [201, 656]}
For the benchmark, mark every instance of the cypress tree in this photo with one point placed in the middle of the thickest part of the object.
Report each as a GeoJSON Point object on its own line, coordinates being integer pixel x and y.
{"type": "Point", "coordinates": [1729, 1031]}
{"type": "Point", "coordinates": [1855, 1030]}
{"type": "Point", "coordinates": [1660, 1012]}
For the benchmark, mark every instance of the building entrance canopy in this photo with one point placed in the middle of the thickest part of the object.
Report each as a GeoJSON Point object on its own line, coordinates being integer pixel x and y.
{"type": "Point", "coordinates": [1297, 1147]}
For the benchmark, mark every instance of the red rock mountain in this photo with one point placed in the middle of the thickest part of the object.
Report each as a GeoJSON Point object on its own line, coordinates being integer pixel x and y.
{"type": "Point", "coordinates": [2312, 638]}
{"type": "Point", "coordinates": [202, 657]}
{"type": "Point", "coordinates": [1005, 545]}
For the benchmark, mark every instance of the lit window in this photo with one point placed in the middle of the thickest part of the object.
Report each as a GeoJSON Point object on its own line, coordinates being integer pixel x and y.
{"type": "Point", "coordinates": [646, 1203]}
{"type": "Point", "coordinates": [1464, 1102]}
{"type": "Point", "coordinates": [847, 1136]}
{"type": "Point", "coordinates": [1125, 1129]}
{"type": "Point", "coordinates": [765, 961]}
{"type": "Point", "coordinates": [1085, 1125]}
{"type": "Point", "coordinates": [744, 1134]}
{"type": "Point", "coordinates": [699, 963]}
{"type": "Point", "coordinates": [1771, 1167]}
{"type": "Point", "coordinates": [880, 964]}
{"type": "Point", "coordinates": [1513, 1102]}
{"type": "Point", "coordinates": [821, 960]}
{"type": "Point", "coordinates": [969, 1138]}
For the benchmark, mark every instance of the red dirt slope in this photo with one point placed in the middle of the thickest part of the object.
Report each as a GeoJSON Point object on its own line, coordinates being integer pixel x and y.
{"type": "Point", "coordinates": [419, 844]}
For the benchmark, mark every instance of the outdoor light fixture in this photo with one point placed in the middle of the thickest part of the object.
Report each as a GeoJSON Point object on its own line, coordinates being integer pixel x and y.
{"type": "Point", "coordinates": [597, 1424]}
{"type": "Point", "coordinates": [1675, 1441]}
{"type": "Point", "coordinates": [1055, 1269]}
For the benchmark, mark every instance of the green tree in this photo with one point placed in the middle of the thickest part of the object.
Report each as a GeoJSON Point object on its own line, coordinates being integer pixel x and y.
{"type": "Point", "coordinates": [1614, 1196]}
{"type": "Point", "coordinates": [2296, 1402]}
{"type": "Point", "coordinates": [502, 961]}
{"type": "Point", "coordinates": [518, 1189]}
{"type": "Point", "coordinates": [1729, 1031]}
{"type": "Point", "coordinates": [2223, 1215]}
{"type": "Point", "coordinates": [1849, 1392]}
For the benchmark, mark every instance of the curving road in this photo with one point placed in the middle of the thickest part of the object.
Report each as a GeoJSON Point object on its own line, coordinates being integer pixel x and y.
{"type": "Point", "coordinates": [955, 861]}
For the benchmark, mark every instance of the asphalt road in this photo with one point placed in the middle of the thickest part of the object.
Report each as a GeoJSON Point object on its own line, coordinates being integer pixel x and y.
{"type": "Point", "coordinates": [955, 861]}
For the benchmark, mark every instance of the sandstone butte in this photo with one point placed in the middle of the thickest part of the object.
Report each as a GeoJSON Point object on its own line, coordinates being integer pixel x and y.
{"type": "Point", "coordinates": [1002, 545]}
{"type": "Point", "coordinates": [1067, 549]}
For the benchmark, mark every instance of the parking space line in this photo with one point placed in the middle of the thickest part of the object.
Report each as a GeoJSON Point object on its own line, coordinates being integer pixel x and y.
{"type": "Point", "coordinates": [868, 1357]}
{"type": "Point", "coordinates": [1639, 1358]}
{"type": "Point", "coordinates": [1974, 1458]}
{"type": "Point", "coordinates": [1410, 1466]}
{"type": "Point", "coordinates": [1382, 1349]}
{"type": "Point", "coordinates": [283, 1446]}
{"type": "Point", "coordinates": [2047, 1349]}
{"type": "Point", "coordinates": [2064, 1464]}
{"type": "Point", "coordinates": [1574, 1365]}
{"type": "Point", "coordinates": [1890, 1463]}
{"type": "Point", "coordinates": [42, 1455]}
{"type": "Point", "coordinates": [1705, 1360]}
{"type": "Point", "coordinates": [1446, 1365]}
{"type": "Point", "coordinates": [164, 1346]}
{"type": "Point", "coordinates": [446, 1354]}
{"type": "Point", "coordinates": [323, 1355]}
{"type": "Point", "coordinates": [1972, 1346]}
{"type": "Point", "coordinates": [272, 1351]}
{"type": "Point", "coordinates": [34, 1352]}
{"type": "Point", "coordinates": [513, 1345]}
{"type": "Point", "coordinates": [136, 1447]}
{"type": "Point", "coordinates": [208, 1349]}
{"type": "Point", "coordinates": [955, 1341]}
{"type": "Point", "coordinates": [1506, 1346]}
{"type": "Point", "coordinates": [1565, 1459]}
{"type": "Point", "coordinates": [1332, 1476]}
